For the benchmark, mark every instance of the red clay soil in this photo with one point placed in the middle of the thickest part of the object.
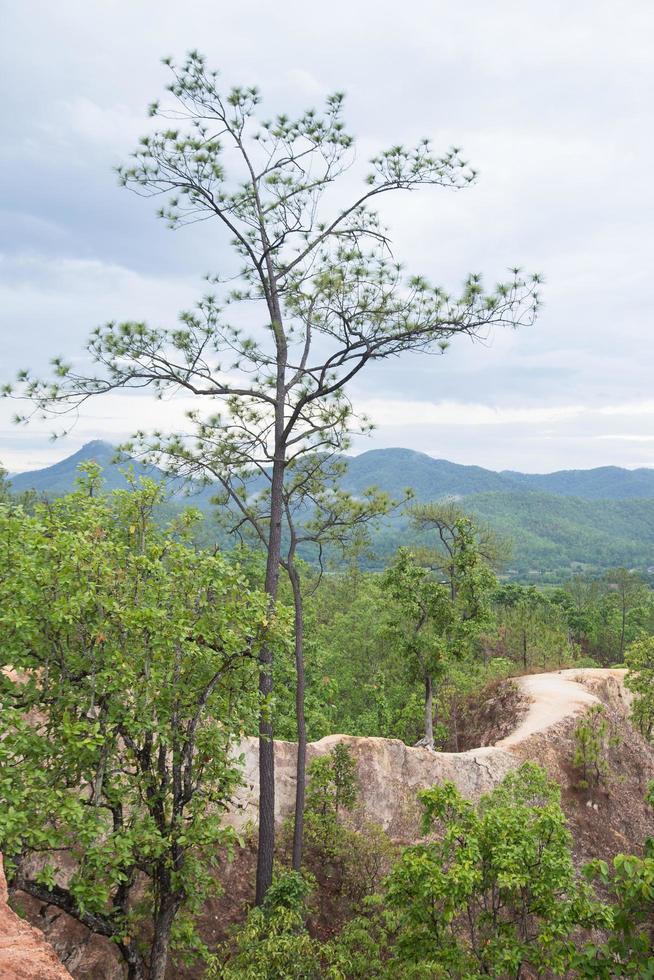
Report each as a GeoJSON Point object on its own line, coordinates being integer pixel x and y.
{"type": "Point", "coordinates": [24, 953]}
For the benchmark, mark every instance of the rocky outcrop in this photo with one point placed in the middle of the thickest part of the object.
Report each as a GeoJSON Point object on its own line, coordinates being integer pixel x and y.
{"type": "Point", "coordinates": [611, 815]}
{"type": "Point", "coordinates": [24, 953]}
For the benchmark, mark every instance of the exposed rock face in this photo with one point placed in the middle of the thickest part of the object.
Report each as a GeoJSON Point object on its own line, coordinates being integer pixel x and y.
{"type": "Point", "coordinates": [608, 818]}
{"type": "Point", "coordinates": [24, 953]}
{"type": "Point", "coordinates": [611, 816]}
{"type": "Point", "coordinates": [85, 956]}
{"type": "Point", "coordinates": [390, 775]}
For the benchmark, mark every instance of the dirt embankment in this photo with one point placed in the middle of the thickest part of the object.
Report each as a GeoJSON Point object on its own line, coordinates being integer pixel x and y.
{"type": "Point", "coordinates": [24, 952]}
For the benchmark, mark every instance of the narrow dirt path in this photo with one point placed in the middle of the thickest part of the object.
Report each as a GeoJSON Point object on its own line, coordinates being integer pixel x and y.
{"type": "Point", "coordinates": [555, 696]}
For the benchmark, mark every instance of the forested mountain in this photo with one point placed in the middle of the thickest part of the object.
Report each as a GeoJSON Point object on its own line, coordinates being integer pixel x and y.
{"type": "Point", "coordinates": [601, 483]}
{"type": "Point", "coordinates": [559, 522]}
{"type": "Point", "coordinates": [60, 478]}
{"type": "Point", "coordinates": [392, 470]}
{"type": "Point", "coordinates": [395, 469]}
{"type": "Point", "coordinates": [553, 533]}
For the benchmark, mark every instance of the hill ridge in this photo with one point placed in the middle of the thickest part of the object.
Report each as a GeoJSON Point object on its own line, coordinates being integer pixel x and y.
{"type": "Point", "coordinates": [434, 475]}
{"type": "Point", "coordinates": [561, 523]}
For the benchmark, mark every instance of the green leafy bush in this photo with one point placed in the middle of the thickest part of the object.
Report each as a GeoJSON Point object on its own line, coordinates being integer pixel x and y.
{"type": "Point", "coordinates": [129, 670]}
{"type": "Point", "coordinates": [628, 950]}
{"type": "Point", "coordinates": [273, 942]}
{"type": "Point", "coordinates": [493, 891]}
{"type": "Point", "coordinates": [639, 659]}
{"type": "Point", "coordinates": [342, 849]}
{"type": "Point", "coordinates": [592, 740]}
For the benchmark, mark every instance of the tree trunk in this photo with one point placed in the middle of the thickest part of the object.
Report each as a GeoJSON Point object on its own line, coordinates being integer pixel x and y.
{"type": "Point", "coordinates": [135, 970]}
{"type": "Point", "coordinates": [429, 717]}
{"type": "Point", "coordinates": [266, 848]}
{"type": "Point", "coordinates": [162, 925]}
{"type": "Point", "coordinates": [300, 770]}
{"type": "Point", "coordinates": [455, 723]}
{"type": "Point", "coordinates": [524, 648]}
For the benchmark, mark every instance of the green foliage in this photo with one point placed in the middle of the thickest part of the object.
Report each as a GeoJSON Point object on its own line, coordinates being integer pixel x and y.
{"type": "Point", "coordinates": [440, 619]}
{"type": "Point", "coordinates": [331, 791]}
{"type": "Point", "coordinates": [355, 684]}
{"type": "Point", "coordinates": [607, 614]}
{"type": "Point", "coordinates": [129, 668]}
{"type": "Point", "coordinates": [423, 616]}
{"type": "Point", "coordinates": [494, 892]}
{"type": "Point", "coordinates": [443, 522]}
{"type": "Point", "coordinates": [628, 950]}
{"type": "Point", "coordinates": [358, 685]}
{"type": "Point", "coordinates": [332, 783]}
{"type": "Point", "coordinates": [639, 659]}
{"type": "Point", "coordinates": [350, 862]}
{"type": "Point", "coordinates": [532, 627]}
{"type": "Point", "coordinates": [4, 485]}
{"type": "Point", "coordinates": [592, 740]}
{"type": "Point", "coordinates": [348, 854]}
{"type": "Point", "coordinates": [557, 536]}
{"type": "Point", "coordinates": [434, 623]}
{"type": "Point", "coordinates": [273, 942]}
{"type": "Point", "coordinates": [360, 951]}
{"type": "Point", "coordinates": [554, 535]}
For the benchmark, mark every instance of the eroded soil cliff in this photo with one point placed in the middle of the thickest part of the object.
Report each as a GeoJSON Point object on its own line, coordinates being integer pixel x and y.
{"type": "Point", "coordinates": [605, 818]}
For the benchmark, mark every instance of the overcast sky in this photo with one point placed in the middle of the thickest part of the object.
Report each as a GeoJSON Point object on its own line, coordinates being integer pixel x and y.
{"type": "Point", "coordinates": [552, 103]}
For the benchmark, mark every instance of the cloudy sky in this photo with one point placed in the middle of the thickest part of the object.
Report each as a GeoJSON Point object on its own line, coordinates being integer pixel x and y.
{"type": "Point", "coordinates": [552, 103]}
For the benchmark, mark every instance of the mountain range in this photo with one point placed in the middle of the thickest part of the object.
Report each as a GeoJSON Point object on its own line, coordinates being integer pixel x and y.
{"type": "Point", "coordinates": [391, 470]}
{"type": "Point", "coordinates": [559, 522]}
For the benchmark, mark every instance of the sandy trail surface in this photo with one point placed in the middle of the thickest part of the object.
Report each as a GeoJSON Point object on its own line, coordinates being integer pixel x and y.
{"type": "Point", "coordinates": [554, 697]}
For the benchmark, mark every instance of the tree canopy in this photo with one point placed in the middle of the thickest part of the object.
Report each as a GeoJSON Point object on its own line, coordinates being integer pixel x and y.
{"type": "Point", "coordinates": [129, 673]}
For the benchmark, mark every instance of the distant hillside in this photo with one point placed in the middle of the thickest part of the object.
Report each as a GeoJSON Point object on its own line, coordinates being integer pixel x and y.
{"type": "Point", "coordinates": [553, 532]}
{"type": "Point", "coordinates": [392, 470]}
{"type": "Point", "coordinates": [602, 483]}
{"type": "Point", "coordinates": [395, 469]}
{"type": "Point", "coordinates": [60, 478]}
{"type": "Point", "coordinates": [559, 522]}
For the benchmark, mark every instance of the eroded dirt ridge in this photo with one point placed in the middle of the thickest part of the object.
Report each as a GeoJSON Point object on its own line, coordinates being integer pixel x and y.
{"type": "Point", "coordinates": [612, 817]}
{"type": "Point", "coordinates": [391, 772]}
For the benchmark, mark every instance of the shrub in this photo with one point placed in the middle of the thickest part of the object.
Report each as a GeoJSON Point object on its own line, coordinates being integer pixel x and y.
{"type": "Point", "coordinates": [586, 662]}
{"type": "Point", "coordinates": [341, 848]}
{"type": "Point", "coordinates": [592, 741]}
{"type": "Point", "coordinates": [628, 950]}
{"type": "Point", "coordinates": [138, 656]}
{"type": "Point", "coordinates": [273, 942]}
{"type": "Point", "coordinates": [495, 893]}
{"type": "Point", "coordinates": [639, 658]}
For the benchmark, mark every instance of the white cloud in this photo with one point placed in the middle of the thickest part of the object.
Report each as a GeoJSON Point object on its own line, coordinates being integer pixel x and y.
{"type": "Point", "coordinates": [624, 437]}
{"type": "Point", "coordinates": [420, 413]}
{"type": "Point", "coordinates": [550, 101]}
{"type": "Point", "coordinates": [305, 82]}
{"type": "Point", "coordinates": [115, 126]}
{"type": "Point", "coordinates": [629, 408]}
